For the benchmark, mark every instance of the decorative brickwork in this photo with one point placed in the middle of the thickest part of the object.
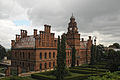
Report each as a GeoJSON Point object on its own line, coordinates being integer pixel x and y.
{"type": "Point", "coordinates": [38, 52]}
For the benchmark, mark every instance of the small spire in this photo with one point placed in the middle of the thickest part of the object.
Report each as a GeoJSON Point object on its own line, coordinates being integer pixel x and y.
{"type": "Point", "coordinates": [72, 17]}
{"type": "Point", "coordinates": [72, 14]}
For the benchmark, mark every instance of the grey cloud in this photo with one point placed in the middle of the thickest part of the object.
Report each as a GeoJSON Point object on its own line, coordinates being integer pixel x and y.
{"type": "Point", "coordinates": [91, 15]}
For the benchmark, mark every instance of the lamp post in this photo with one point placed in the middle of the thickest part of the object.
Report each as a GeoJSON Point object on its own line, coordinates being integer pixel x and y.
{"type": "Point", "coordinates": [94, 37]}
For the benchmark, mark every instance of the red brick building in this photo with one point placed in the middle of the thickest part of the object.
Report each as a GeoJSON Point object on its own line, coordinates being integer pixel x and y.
{"type": "Point", "coordinates": [38, 52]}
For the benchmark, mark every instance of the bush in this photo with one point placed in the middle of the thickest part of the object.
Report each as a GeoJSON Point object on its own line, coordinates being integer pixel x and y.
{"type": "Point", "coordinates": [81, 71]}
{"type": "Point", "coordinates": [17, 78]}
{"type": "Point", "coordinates": [42, 76]}
{"type": "Point", "coordinates": [108, 76]}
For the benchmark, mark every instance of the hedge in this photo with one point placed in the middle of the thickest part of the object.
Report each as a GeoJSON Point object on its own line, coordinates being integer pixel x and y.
{"type": "Point", "coordinates": [81, 71]}
{"type": "Point", "coordinates": [16, 78]}
{"type": "Point", "coordinates": [74, 76]}
{"type": "Point", "coordinates": [91, 69]}
{"type": "Point", "coordinates": [42, 76]}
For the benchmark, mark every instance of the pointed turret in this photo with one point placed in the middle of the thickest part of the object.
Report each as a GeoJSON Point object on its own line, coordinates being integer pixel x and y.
{"type": "Point", "coordinates": [72, 26]}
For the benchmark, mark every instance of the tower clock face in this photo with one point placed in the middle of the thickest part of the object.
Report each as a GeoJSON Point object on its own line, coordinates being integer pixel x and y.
{"type": "Point", "coordinates": [75, 28]}
{"type": "Point", "coordinates": [70, 29]}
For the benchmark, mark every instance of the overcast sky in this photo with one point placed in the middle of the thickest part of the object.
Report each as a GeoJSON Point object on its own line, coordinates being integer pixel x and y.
{"type": "Point", "coordinates": [100, 18]}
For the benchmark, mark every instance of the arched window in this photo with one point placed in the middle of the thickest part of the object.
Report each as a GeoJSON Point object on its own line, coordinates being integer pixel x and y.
{"type": "Point", "coordinates": [40, 55]}
{"type": "Point", "coordinates": [40, 66]}
{"type": "Point", "coordinates": [45, 65]}
{"type": "Point", "coordinates": [49, 54]}
{"type": "Point", "coordinates": [49, 64]}
{"type": "Point", "coordinates": [45, 55]}
{"type": "Point", "coordinates": [53, 54]}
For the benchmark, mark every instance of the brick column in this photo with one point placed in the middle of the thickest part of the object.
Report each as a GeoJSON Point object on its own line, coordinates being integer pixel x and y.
{"type": "Point", "coordinates": [7, 72]}
{"type": "Point", "coordinates": [35, 68]}
{"type": "Point", "coordinates": [28, 69]}
{"type": "Point", "coordinates": [19, 70]}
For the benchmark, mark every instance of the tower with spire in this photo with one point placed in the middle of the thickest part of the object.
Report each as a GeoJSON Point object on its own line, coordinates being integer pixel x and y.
{"type": "Point", "coordinates": [72, 25]}
{"type": "Point", "coordinates": [72, 36]}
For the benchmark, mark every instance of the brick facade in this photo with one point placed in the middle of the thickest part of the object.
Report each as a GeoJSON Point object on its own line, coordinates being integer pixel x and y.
{"type": "Point", "coordinates": [38, 52]}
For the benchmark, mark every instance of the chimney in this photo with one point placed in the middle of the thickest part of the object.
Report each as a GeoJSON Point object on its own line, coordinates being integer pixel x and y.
{"type": "Point", "coordinates": [12, 43]}
{"type": "Point", "coordinates": [47, 28]}
{"type": "Point", "coordinates": [82, 39]}
{"type": "Point", "coordinates": [35, 32]}
{"type": "Point", "coordinates": [17, 38]}
{"type": "Point", "coordinates": [25, 32]}
{"type": "Point", "coordinates": [21, 33]}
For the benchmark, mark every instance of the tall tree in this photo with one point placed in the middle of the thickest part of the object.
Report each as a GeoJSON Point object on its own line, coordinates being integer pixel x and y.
{"type": "Point", "coordinates": [63, 53]}
{"type": "Point", "coordinates": [59, 57]}
{"type": "Point", "coordinates": [61, 70]}
{"type": "Point", "coordinates": [92, 61]}
{"type": "Point", "coordinates": [73, 57]}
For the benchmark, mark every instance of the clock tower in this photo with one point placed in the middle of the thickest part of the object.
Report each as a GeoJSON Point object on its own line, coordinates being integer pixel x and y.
{"type": "Point", "coordinates": [72, 36]}
{"type": "Point", "coordinates": [72, 26]}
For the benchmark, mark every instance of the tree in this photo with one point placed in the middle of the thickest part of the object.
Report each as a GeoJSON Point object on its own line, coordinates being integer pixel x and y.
{"type": "Point", "coordinates": [73, 57]}
{"type": "Point", "coordinates": [113, 60]}
{"type": "Point", "coordinates": [92, 61]}
{"type": "Point", "coordinates": [99, 52]}
{"type": "Point", "coordinates": [61, 59]}
{"type": "Point", "coordinates": [2, 52]}
{"type": "Point", "coordinates": [8, 53]}
{"type": "Point", "coordinates": [96, 53]}
{"type": "Point", "coordinates": [115, 45]}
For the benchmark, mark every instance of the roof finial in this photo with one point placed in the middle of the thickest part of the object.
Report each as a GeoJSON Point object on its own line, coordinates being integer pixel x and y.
{"type": "Point", "coordinates": [72, 14]}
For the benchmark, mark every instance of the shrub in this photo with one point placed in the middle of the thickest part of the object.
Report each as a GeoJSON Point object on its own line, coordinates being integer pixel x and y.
{"type": "Point", "coordinates": [108, 76]}
{"type": "Point", "coordinates": [43, 77]}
